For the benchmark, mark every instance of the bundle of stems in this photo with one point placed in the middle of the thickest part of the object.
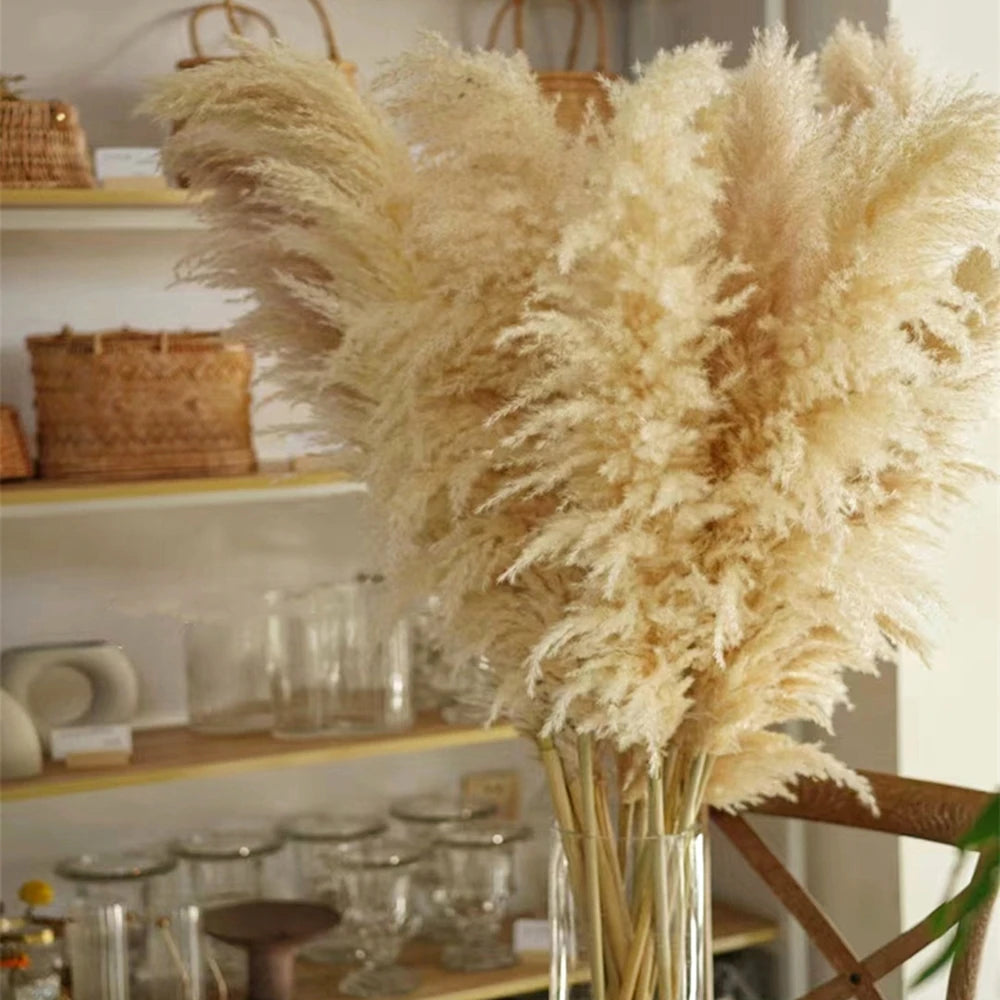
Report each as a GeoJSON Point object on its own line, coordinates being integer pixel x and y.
{"type": "Point", "coordinates": [634, 851]}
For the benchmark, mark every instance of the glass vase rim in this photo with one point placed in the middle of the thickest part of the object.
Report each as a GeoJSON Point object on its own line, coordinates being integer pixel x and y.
{"type": "Point", "coordinates": [383, 853]}
{"type": "Point", "coordinates": [698, 829]}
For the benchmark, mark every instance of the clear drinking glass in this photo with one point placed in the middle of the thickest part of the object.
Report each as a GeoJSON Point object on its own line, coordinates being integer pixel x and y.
{"type": "Point", "coordinates": [476, 861]}
{"type": "Point", "coordinates": [136, 882]}
{"type": "Point", "coordinates": [97, 943]}
{"type": "Point", "coordinates": [378, 883]}
{"type": "Point", "coordinates": [228, 664]}
{"type": "Point", "coordinates": [656, 929]}
{"type": "Point", "coordinates": [316, 840]}
{"type": "Point", "coordinates": [225, 866]}
{"type": "Point", "coordinates": [344, 664]}
{"type": "Point", "coordinates": [422, 818]}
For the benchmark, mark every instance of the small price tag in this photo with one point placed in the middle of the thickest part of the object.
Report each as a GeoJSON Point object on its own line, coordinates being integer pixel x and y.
{"type": "Point", "coordinates": [530, 935]}
{"type": "Point", "coordinates": [74, 741]}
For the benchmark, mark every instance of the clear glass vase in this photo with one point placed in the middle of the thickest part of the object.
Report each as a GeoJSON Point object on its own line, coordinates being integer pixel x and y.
{"type": "Point", "coordinates": [655, 919]}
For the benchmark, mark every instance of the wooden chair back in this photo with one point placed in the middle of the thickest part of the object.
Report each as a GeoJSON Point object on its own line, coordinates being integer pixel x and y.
{"type": "Point", "coordinates": [922, 809]}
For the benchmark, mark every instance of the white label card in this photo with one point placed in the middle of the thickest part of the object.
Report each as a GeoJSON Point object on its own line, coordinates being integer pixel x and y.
{"type": "Point", "coordinates": [127, 161]}
{"type": "Point", "coordinates": [71, 740]}
{"type": "Point", "coordinates": [531, 935]}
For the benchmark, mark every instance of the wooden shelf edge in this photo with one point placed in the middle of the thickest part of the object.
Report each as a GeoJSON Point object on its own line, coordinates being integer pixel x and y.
{"type": "Point", "coordinates": [35, 496]}
{"type": "Point", "coordinates": [96, 198]}
{"type": "Point", "coordinates": [216, 756]}
{"type": "Point", "coordinates": [735, 930]}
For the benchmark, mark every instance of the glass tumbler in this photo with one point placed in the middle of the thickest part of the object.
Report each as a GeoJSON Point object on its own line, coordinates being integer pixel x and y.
{"type": "Point", "coordinates": [228, 665]}
{"type": "Point", "coordinates": [225, 866]}
{"type": "Point", "coordinates": [136, 883]}
{"type": "Point", "coordinates": [422, 817]}
{"type": "Point", "coordinates": [316, 840]}
{"type": "Point", "coordinates": [476, 862]}
{"type": "Point", "coordinates": [378, 883]}
{"type": "Point", "coordinates": [342, 665]}
{"type": "Point", "coordinates": [30, 961]}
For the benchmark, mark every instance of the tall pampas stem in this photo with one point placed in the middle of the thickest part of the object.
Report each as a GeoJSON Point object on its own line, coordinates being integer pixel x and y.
{"type": "Point", "coordinates": [591, 857]}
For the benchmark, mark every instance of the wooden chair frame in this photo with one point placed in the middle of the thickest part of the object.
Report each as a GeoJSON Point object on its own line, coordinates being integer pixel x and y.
{"type": "Point", "coordinates": [922, 809]}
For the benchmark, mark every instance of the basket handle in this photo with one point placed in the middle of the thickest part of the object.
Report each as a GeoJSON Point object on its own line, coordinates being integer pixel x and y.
{"type": "Point", "coordinates": [332, 51]}
{"type": "Point", "coordinates": [579, 12]}
{"type": "Point", "coordinates": [198, 12]}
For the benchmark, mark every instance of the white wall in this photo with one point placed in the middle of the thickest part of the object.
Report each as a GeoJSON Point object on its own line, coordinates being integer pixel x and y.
{"type": "Point", "coordinates": [949, 718]}
{"type": "Point", "coordinates": [103, 574]}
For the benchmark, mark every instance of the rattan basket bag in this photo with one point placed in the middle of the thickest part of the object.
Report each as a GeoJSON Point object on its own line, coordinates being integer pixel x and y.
{"type": "Point", "coordinates": [41, 143]}
{"type": "Point", "coordinates": [15, 461]}
{"type": "Point", "coordinates": [231, 9]}
{"type": "Point", "coordinates": [574, 89]}
{"type": "Point", "coordinates": [130, 405]}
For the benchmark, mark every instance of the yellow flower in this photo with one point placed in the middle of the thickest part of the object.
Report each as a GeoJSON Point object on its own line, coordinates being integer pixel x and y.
{"type": "Point", "coordinates": [36, 893]}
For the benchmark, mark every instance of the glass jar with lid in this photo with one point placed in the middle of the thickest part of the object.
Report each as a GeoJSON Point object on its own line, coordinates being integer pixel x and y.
{"type": "Point", "coordinates": [139, 883]}
{"type": "Point", "coordinates": [422, 817]}
{"type": "Point", "coordinates": [220, 866]}
{"type": "Point", "coordinates": [477, 865]}
{"type": "Point", "coordinates": [317, 840]}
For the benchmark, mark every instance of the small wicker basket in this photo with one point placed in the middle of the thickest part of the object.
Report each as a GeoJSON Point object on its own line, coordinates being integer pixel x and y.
{"type": "Point", "coordinates": [41, 143]}
{"type": "Point", "coordinates": [15, 460]}
{"type": "Point", "coordinates": [574, 90]}
{"type": "Point", "coordinates": [130, 405]}
{"type": "Point", "coordinates": [231, 8]}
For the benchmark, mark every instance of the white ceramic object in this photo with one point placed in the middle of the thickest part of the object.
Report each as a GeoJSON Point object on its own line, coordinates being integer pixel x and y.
{"type": "Point", "coordinates": [71, 684]}
{"type": "Point", "coordinates": [20, 747]}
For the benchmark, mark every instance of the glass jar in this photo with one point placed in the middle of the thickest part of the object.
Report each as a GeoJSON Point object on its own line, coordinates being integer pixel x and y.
{"type": "Point", "coordinates": [30, 961]}
{"type": "Point", "coordinates": [98, 945]}
{"type": "Point", "coordinates": [342, 666]}
{"type": "Point", "coordinates": [476, 862]}
{"type": "Point", "coordinates": [378, 882]}
{"type": "Point", "coordinates": [225, 865]}
{"type": "Point", "coordinates": [654, 914]}
{"type": "Point", "coordinates": [422, 817]}
{"type": "Point", "coordinates": [316, 840]}
{"type": "Point", "coordinates": [219, 867]}
{"type": "Point", "coordinates": [228, 671]}
{"type": "Point", "coordinates": [138, 882]}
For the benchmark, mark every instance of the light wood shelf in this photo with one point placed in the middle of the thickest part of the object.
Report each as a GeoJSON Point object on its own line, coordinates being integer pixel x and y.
{"type": "Point", "coordinates": [69, 209]}
{"type": "Point", "coordinates": [176, 754]}
{"type": "Point", "coordinates": [732, 930]}
{"type": "Point", "coordinates": [36, 498]}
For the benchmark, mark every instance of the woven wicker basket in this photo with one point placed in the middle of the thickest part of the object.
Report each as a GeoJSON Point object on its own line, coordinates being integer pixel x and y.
{"type": "Point", "coordinates": [231, 8]}
{"type": "Point", "coordinates": [132, 405]}
{"type": "Point", "coordinates": [15, 461]}
{"type": "Point", "coordinates": [575, 90]}
{"type": "Point", "coordinates": [41, 144]}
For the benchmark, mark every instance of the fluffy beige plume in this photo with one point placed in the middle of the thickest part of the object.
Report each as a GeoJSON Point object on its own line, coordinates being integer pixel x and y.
{"type": "Point", "coordinates": [665, 411]}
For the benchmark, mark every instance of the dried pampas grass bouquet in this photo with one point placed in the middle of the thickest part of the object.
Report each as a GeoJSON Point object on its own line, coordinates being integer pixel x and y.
{"type": "Point", "coordinates": [663, 411]}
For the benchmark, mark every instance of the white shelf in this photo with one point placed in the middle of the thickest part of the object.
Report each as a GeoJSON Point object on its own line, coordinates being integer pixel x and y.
{"type": "Point", "coordinates": [87, 210]}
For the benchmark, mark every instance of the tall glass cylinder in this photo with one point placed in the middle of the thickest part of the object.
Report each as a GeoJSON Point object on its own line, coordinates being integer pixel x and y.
{"type": "Point", "coordinates": [97, 942]}
{"type": "Point", "coordinates": [228, 667]}
{"type": "Point", "coordinates": [342, 663]}
{"type": "Point", "coordinates": [654, 931]}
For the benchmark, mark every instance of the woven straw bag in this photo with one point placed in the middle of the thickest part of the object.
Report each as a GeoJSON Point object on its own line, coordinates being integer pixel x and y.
{"type": "Point", "coordinates": [15, 461]}
{"type": "Point", "coordinates": [130, 405]}
{"type": "Point", "coordinates": [41, 143]}
{"type": "Point", "coordinates": [231, 9]}
{"type": "Point", "coordinates": [573, 89]}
